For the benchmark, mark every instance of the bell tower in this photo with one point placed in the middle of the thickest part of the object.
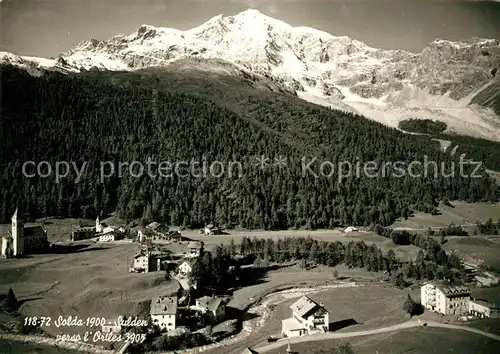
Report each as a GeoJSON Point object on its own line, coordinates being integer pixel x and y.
{"type": "Point", "coordinates": [98, 226]}
{"type": "Point", "coordinates": [17, 234]}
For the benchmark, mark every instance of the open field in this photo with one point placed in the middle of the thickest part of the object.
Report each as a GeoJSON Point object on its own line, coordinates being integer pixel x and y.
{"type": "Point", "coordinates": [461, 213]}
{"type": "Point", "coordinates": [491, 325]}
{"type": "Point", "coordinates": [293, 276]}
{"type": "Point", "coordinates": [58, 230]}
{"type": "Point", "coordinates": [406, 252]}
{"type": "Point", "coordinates": [93, 281]}
{"type": "Point", "coordinates": [415, 340]}
{"type": "Point", "coordinates": [365, 307]}
{"type": "Point", "coordinates": [476, 250]}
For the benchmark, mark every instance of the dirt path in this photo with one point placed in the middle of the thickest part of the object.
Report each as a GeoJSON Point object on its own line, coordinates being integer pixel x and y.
{"type": "Point", "coordinates": [396, 327]}
{"type": "Point", "coordinates": [426, 228]}
{"type": "Point", "coordinates": [262, 311]}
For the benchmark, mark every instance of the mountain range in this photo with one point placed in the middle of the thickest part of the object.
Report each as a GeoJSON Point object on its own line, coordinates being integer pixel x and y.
{"type": "Point", "coordinates": [454, 82]}
{"type": "Point", "coordinates": [388, 86]}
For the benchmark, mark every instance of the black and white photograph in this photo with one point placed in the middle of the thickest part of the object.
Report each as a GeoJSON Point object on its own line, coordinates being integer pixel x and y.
{"type": "Point", "coordinates": [249, 176]}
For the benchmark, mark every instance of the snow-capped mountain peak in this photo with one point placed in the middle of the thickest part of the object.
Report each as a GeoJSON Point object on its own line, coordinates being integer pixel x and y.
{"type": "Point", "coordinates": [321, 67]}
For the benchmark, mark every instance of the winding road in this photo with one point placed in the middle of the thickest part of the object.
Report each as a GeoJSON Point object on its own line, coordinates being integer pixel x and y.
{"type": "Point", "coordinates": [397, 327]}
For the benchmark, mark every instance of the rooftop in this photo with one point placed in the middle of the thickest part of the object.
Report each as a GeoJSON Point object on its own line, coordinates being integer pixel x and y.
{"type": "Point", "coordinates": [211, 303]}
{"type": "Point", "coordinates": [450, 290]}
{"type": "Point", "coordinates": [305, 306]}
{"type": "Point", "coordinates": [194, 244]}
{"type": "Point", "coordinates": [153, 225]}
{"type": "Point", "coordinates": [164, 305]}
{"type": "Point", "coordinates": [32, 230]}
{"type": "Point", "coordinates": [141, 253]}
{"type": "Point", "coordinates": [190, 262]}
{"type": "Point", "coordinates": [485, 303]}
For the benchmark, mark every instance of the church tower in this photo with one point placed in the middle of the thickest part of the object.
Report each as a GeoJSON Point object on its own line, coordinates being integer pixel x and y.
{"type": "Point", "coordinates": [98, 226]}
{"type": "Point", "coordinates": [17, 234]}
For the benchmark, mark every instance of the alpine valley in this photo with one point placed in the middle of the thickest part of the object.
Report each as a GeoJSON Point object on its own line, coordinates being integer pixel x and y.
{"type": "Point", "coordinates": [453, 82]}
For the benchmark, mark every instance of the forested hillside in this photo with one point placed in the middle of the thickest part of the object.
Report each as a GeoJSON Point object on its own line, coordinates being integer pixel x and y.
{"type": "Point", "coordinates": [486, 151]}
{"type": "Point", "coordinates": [98, 117]}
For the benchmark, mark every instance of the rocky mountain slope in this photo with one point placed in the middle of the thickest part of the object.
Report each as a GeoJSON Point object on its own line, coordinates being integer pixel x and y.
{"type": "Point", "coordinates": [384, 85]}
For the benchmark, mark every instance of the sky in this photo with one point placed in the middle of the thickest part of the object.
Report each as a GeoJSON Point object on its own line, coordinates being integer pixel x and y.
{"type": "Point", "coordinates": [46, 28]}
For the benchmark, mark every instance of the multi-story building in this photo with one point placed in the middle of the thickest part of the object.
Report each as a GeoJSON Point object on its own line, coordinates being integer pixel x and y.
{"type": "Point", "coordinates": [213, 307]}
{"type": "Point", "coordinates": [445, 299]}
{"type": "Point", "coordinates": [111, 327]}
{"type": "Point", "coordinates": [308, 317]}
{"type": "Point", "coordinates": [186, 267]}
{"type": "Point", "coordinates": [23, 240]}
{"type": "Point", "coordinates": [141, 262]}
{"type": "Point", "coordinates": [82, 233]}
{"type": "Point", "coordinates": [164, 311]}
{"type": "Point", "coordinates": [195, 248]}
{"type": "Point", "coordinates": [110, 237]}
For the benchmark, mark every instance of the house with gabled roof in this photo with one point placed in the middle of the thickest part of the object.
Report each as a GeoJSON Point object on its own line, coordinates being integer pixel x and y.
{"type": "Point", "coordinates": [186, 267]}
{"type": "Point", "coordinates": [194, 249]}
{"type": "Point", "coordinates": [141, 262]}
{"type": "Point", "coordinates": [213, 307]}
{"type": "Point", "coordinates": [163, 312]}
{"type": "Point", "coordinates": [308, 317]}
{"type": "Point", "coordinates": [445, 299]}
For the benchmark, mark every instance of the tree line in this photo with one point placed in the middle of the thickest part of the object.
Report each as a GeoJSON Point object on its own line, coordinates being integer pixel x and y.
{"type": "Point", "coordinates": [489, 227]}
{"type": "Point", "coordinates": [222, 269]}
{"type": "Point", "coordinates": [79, 119]}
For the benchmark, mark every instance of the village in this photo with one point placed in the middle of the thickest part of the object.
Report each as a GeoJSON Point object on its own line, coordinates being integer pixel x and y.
{"type": "Point", "coordinates": [192, 308]}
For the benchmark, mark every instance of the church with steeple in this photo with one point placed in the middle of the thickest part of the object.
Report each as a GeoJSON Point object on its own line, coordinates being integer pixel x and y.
{"type": "Point", "coordinates": [22, 239]}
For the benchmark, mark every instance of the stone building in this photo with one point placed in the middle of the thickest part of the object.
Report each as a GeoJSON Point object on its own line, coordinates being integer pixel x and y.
{"type": "Point", "coordinates": [23, 240]}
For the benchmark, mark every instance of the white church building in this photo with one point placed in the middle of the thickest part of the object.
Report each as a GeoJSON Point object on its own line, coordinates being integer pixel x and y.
{"type": "Point", "coordinates": [22, 240]}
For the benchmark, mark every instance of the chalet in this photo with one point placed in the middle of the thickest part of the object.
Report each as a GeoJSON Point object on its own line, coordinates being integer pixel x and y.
{"type": "Point", "coordinates": [160, 230]}
{"type": "Point", "coordinates": [153, 231]}
{"type": "Point", "coordinates": [211, 229]}
{"type": "Point", "coordinates": [213, 307]}
{"type": "Point", "coordinates": [145, 234]}
{"type": "Point", "coordinates": [186, 267]}
{"type": "Point", "coordinates": [308, 317]}
{"type": "Point", "coordinates": [445, 299]}
{"type": "Point", "coordinates": [110, 236]}
{"type": "Point", "coordinates": [175, 235]}
{"type": "Point", "coordinates": [164, 312]}
{"type": "Point", "coordinates": [153, 226]}
{"type": "Point", "coordinates": [194, 249]}
{"type": "Point", "coordinates": [111, 327]}
{"type": "Point", "coordinates": [141, 262]}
